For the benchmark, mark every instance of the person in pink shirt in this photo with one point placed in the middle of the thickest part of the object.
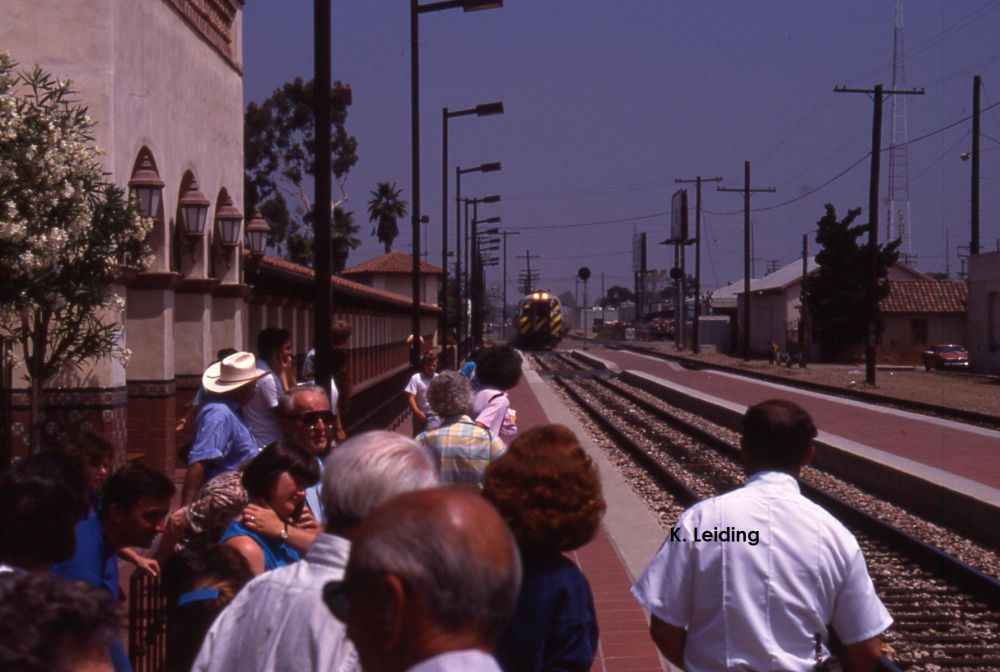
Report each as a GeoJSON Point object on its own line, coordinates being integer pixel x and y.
{"type": "Point", "coordinates": [497, 370]}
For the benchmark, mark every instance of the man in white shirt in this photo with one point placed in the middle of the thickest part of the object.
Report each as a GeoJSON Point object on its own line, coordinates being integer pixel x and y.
{"type": "Point", "coordinates": [432, 580]}
{"type": "Point", "coordinates": [278, 621]}
{"type": "Point", "coordinates": [750, 579]}
{"type": "Point", "coordinates": [274, 356]}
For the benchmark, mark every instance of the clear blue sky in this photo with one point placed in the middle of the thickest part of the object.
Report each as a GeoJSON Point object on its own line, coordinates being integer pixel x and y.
{"type": "Point", "coordinates": [608, 101]}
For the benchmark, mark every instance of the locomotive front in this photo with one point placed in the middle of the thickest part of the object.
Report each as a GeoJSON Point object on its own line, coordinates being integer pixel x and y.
{"type": "Point", "coordinates": [539, 321]}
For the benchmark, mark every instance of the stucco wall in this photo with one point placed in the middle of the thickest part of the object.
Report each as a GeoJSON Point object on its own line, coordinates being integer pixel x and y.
{"type": "Point", "coordinates": [984, 289]}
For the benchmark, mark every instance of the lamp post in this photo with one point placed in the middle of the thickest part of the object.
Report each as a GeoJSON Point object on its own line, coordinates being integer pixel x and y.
{"type": "Point", "coordinates": [482, 110]}
{"type": "Point", "coordinates": [416, 9]}
{"type": "Point", "coordinates": [459, 171]}
{"type": "Point", "coordinates": [475, 270]}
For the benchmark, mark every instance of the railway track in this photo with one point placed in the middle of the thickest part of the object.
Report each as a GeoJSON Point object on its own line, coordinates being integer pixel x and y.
{"type": "Point", "coordinates": [947, 612]}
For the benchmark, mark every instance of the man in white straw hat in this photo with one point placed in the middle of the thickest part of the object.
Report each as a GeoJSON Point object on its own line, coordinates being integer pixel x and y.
{"type": "Point", "coordinates": [222, 441]}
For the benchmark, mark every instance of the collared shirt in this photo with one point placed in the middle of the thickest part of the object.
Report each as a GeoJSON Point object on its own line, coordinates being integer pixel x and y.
{"type": "Point", "coordinates": [260, 414]}
{"type": "Point", "coordinates": [754, 574]}
{"type": "Point", "coordinates": [462, 450]}
{"type": "Point", "coordinates": [221, 439]}
{"type": "Point", "coordinates": [469, 660]}
{"type": "Point", "coordinates": [279, 622]}
{"type": "Point", "coordinates": [314, 496]}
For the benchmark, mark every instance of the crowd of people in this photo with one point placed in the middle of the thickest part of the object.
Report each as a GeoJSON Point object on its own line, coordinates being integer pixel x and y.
{"type": "Point", "coordinates": [294, 547]}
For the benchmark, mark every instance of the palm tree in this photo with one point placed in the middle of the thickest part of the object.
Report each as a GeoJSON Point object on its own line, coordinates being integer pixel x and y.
{"type": "Point", "coordinates": [343, 238]}
{"type": "Point", "coordinates": [384, 208]}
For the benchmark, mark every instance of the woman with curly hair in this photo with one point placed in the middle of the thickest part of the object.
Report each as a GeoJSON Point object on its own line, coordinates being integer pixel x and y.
{"type": "Point", "coordinates": [549, 492]}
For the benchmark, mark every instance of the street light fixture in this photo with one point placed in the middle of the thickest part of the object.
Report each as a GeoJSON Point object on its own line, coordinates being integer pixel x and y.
{"type": "Point", "coordinates": [230, 221]}
{"type": "Point", "coordinates": [416, 9]}
{"type": "Point", "coordinates": [481, 110]}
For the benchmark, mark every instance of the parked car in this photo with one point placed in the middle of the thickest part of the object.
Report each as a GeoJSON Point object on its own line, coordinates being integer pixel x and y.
{"type": "Point", "coordinates": [946, 356]}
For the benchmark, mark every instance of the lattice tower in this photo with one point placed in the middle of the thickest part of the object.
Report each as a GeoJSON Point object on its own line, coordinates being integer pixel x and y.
{"type": "Point", "coordinates": [897, 220]}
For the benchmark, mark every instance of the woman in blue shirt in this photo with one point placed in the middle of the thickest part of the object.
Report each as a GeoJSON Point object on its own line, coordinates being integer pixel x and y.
{"type": "Point", "coordinates": [276, 479]}
{"type": "Point", "coordinates": [547, 489]}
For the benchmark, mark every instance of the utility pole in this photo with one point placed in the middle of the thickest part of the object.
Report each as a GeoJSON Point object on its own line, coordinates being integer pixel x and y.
{"type": "Point", "coordinates": [695, 336]}
{"type": "Point", "coordinates": [803, 310]}
{"type": "Point", "coordinates": [871, 338]}
{"type": "Point", "coordinates": [504, 318]}
{"type": "Point", "coordinates": [528, 278]}
{"type": "Point", "coordinates": [746, 251]}
{"type": "Point", "coordinates": [604, 302]}
{"type": "Point", "coordinates": [977, 83]}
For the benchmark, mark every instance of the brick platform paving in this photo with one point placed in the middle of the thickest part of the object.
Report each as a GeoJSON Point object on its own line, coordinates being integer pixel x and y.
{"type": "Point", "coordinates": [625, 645]}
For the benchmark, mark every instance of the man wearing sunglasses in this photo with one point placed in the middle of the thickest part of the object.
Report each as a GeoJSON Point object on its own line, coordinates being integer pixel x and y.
{"type": "Point", "coordinates": [278, 622]}
{"type": "Point", "coordinates": [307, 423]}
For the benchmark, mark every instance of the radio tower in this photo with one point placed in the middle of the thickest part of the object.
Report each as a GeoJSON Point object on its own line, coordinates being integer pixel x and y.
{"type": "Point", "coordinates": [897, 221]}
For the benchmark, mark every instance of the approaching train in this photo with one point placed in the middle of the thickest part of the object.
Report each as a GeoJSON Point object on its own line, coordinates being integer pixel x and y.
{"type": "Point", "coordinates": [539, 321]}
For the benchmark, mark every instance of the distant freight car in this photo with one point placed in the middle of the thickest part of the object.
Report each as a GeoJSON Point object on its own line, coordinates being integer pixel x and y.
{"type": "Point", "coordinates": [539, 322]}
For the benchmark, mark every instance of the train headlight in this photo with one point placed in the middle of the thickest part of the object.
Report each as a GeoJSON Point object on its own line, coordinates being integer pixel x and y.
{"type": "Point", "coordinates": [536, 296]}
{"type": "Point", "coordinates": [545, 295]}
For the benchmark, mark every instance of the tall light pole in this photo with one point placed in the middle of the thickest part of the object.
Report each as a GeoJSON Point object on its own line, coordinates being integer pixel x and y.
{"type": "Point", "coordinates": [323, 106]}
{"type": "Point", "coordinates": [416, 9]}
{"type": "Point", "coordinates": [483, 110]}
{"type": "Point", "coordinates": [459, 171]}
{"type": "Point", "coordinates": [474, 202]}
{"type": "Point", "coordinates": [478, 277]}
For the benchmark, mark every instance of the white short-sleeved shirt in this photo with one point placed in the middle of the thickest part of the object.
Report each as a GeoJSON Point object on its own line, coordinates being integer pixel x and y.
{"type": "Point", "coordinates": [260, 415]}
{"type": "Point", "coordinates": [418, 386]}
{"type": "Point", "coordinates": [754, 574]}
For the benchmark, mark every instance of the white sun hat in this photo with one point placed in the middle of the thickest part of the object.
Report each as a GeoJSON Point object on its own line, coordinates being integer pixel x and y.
{"type": "Point", "coordinates": [234, 371]}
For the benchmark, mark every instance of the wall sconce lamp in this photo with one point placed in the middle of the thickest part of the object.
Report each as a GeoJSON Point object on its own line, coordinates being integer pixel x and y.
{"type": "Point", "coordinates": [230, 219]}
{"type": "Point", "coordinates": [258, 232]}
{"type": "Point", "coordinates": [194, 209]}
{"type": "Point", "coordinates": [147, 187]}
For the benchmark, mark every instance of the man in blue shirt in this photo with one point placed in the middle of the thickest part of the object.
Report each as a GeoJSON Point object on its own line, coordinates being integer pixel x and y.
{"type": "Point", "coordinates": [222, 441]}
{"type": "Point", "coordinates": [135, 505]}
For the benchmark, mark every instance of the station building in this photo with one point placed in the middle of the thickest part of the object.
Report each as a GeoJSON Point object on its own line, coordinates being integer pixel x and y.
{"type": "Point", "coordinates": [164, 81]}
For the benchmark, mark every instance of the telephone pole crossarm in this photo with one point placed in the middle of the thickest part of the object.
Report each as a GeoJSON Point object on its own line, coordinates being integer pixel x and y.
{"type": "Point", "coordinates": [877, 93]}
{"type": "Point", "coordinates": [746, 190]}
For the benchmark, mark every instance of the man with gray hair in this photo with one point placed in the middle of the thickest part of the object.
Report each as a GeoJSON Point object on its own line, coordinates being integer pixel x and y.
{"type": "Point", "coordinates": [278, 621]}
{"type": "Point", "coordinates": [461, 448]}
{"type": "Point", "coordinates": [432, 580]}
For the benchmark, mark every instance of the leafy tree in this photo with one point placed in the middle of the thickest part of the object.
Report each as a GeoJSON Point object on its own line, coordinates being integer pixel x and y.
{"type": "Point", "coordinates": [616, 296]}
{"type": "Point", "coordinates": [836, 294]}
{"type": "Point", "coordinates": [385, 207]}
{"type": "Point", "coordinates": [343, 239]}
{"type": "Point", "coordinates": [280, 162]}
{"type": "Point", "coordinates": [63, 232]}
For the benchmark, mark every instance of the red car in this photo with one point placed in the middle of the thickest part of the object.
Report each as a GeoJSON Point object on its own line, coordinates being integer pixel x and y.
{"type": "Point", "coordinates": [946, 356]}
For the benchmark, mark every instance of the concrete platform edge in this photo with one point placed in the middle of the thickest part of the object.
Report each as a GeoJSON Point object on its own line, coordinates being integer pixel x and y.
{"type": "Point", "coordinates": [634, 531]}
{"type": "Point", "coordinates": [948, 499]}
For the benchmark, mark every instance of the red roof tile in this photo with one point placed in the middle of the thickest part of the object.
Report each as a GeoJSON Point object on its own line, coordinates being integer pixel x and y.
{"type": "Point", "coordinates": [392, 263]}
{"type": "Point", "coordinates": [343, 284]}
{"type": "Point", "coordinates": [925, 296]}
